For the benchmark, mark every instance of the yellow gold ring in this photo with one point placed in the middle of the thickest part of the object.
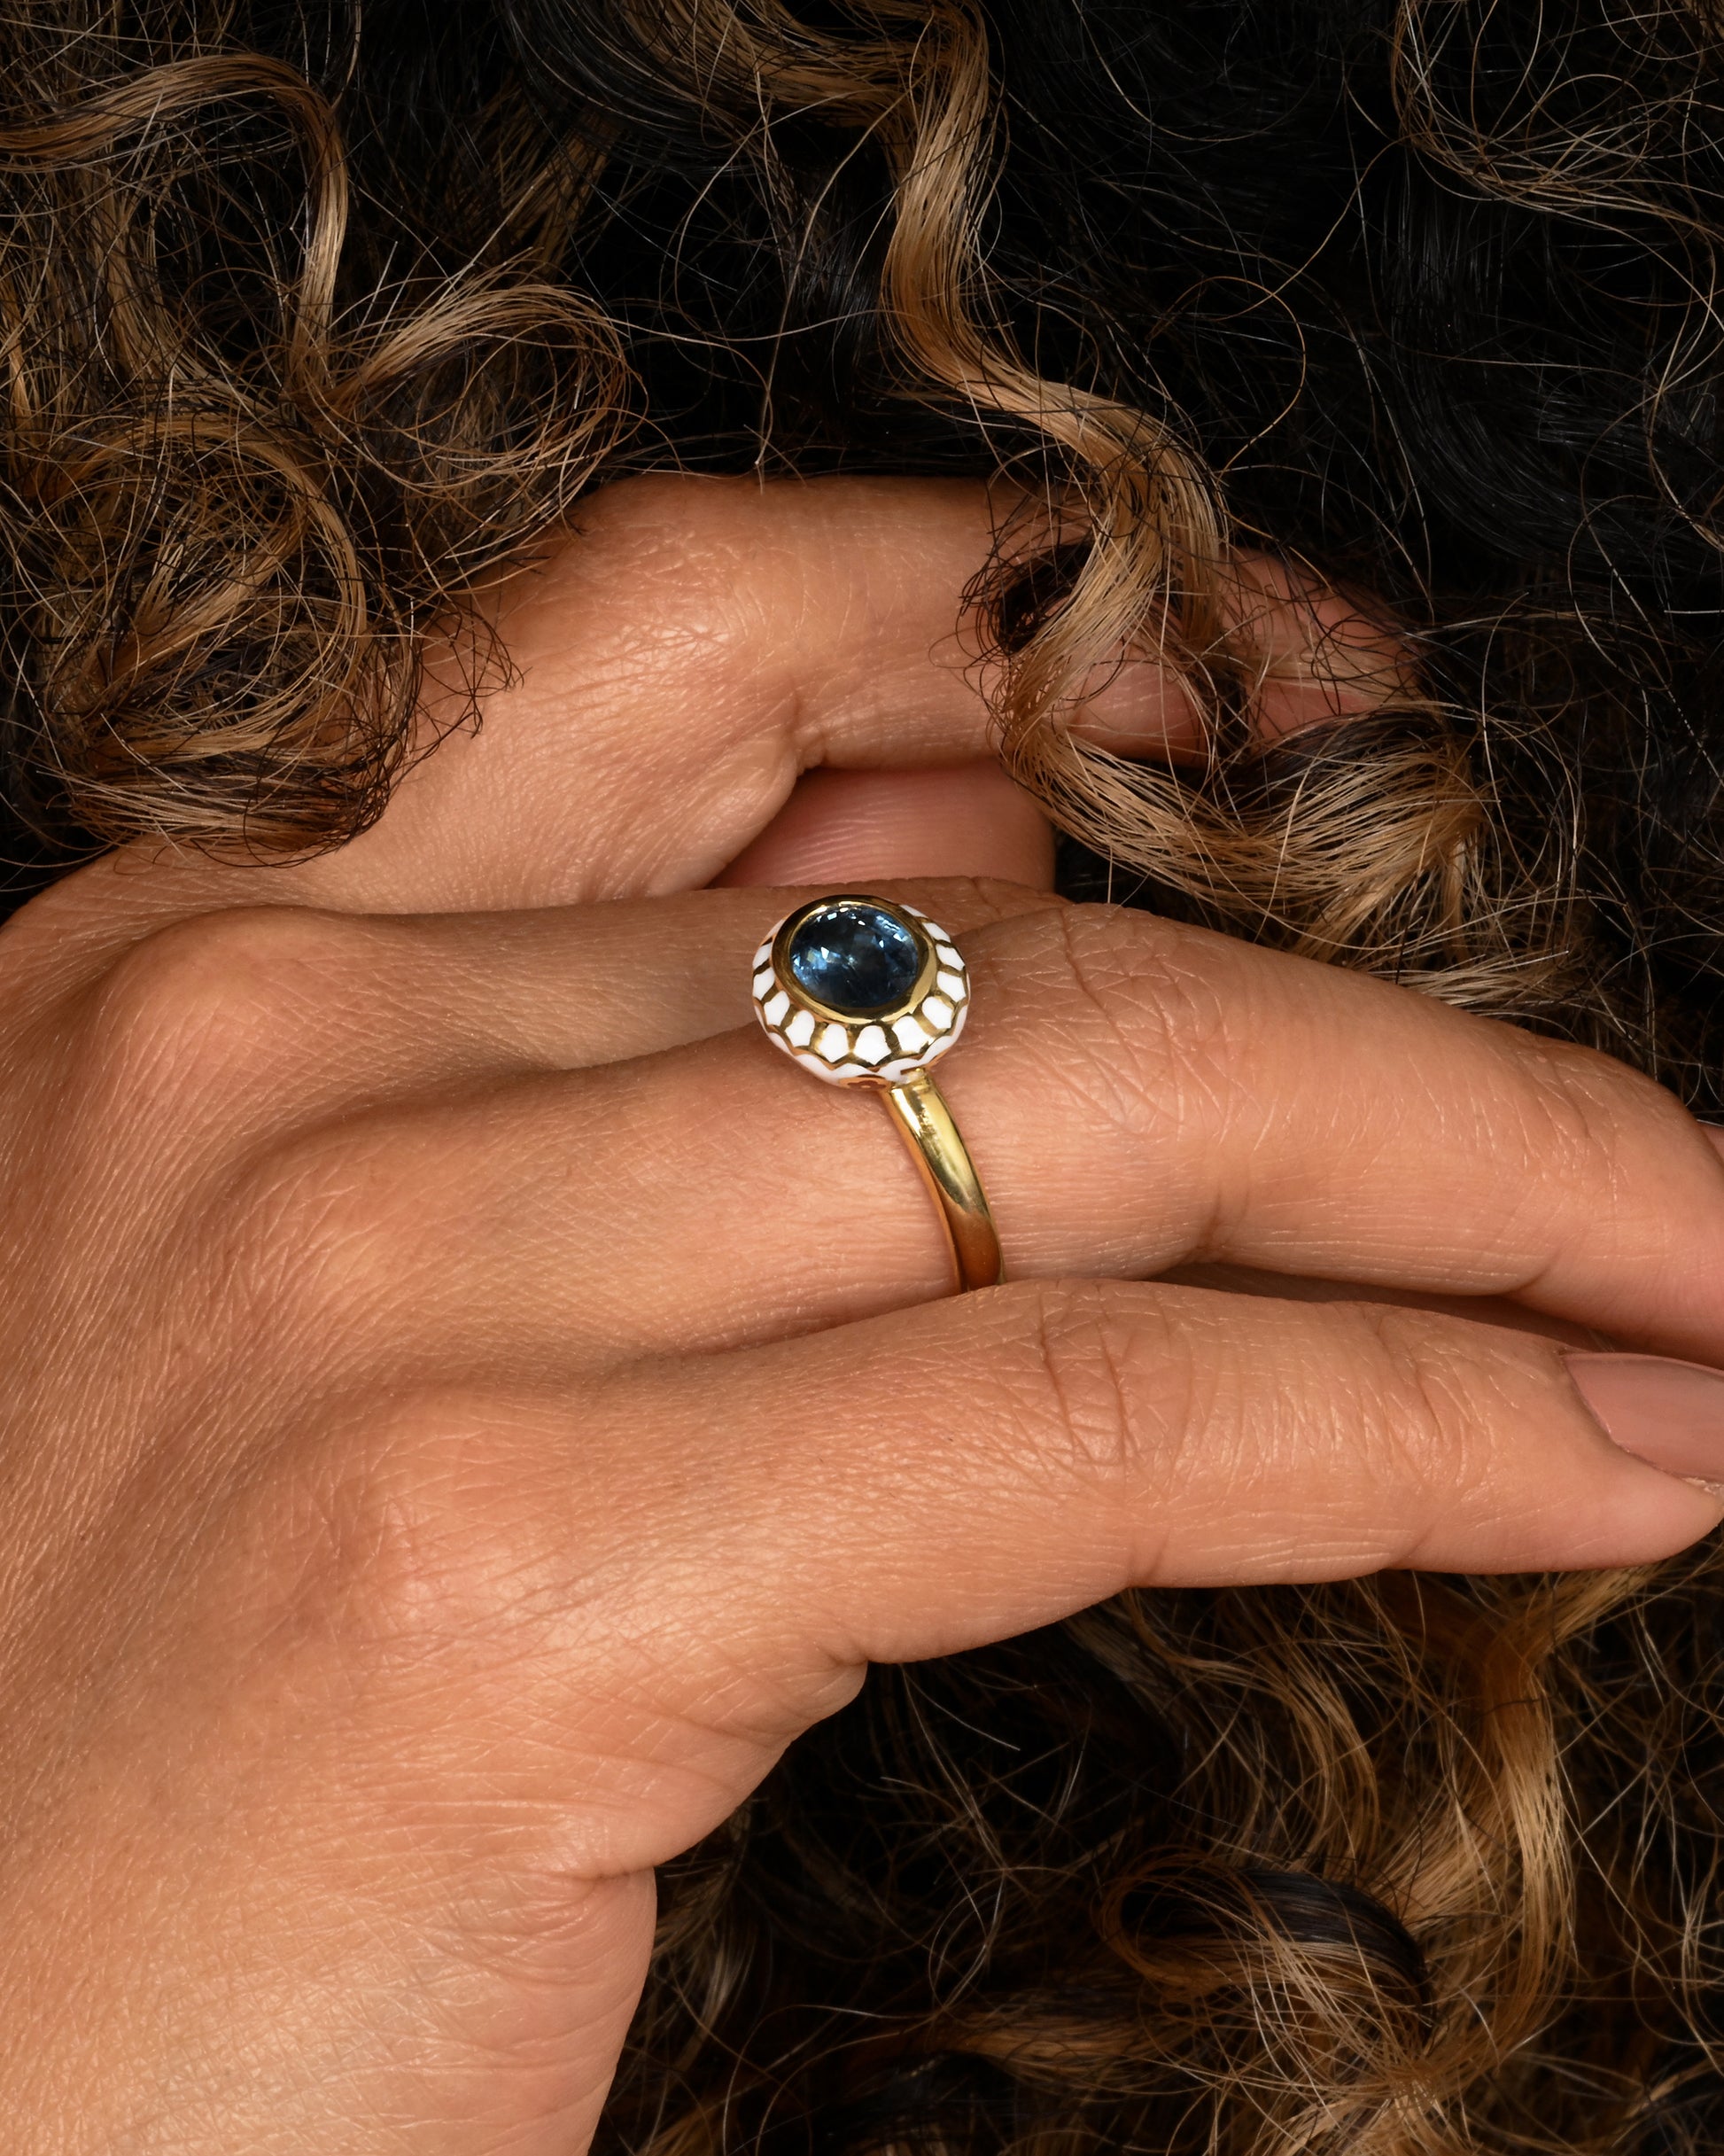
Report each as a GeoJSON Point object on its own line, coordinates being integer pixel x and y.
{"type": "Point", "coordinates": [862, 990]}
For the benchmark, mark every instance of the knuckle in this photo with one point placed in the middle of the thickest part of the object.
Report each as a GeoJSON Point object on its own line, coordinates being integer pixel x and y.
{"type": "Point", "coordinates": [1116, 1383]}
{"type": "Point", "coordinates": [200, 1005]}
{"type": "Point", "coordinates": [1587, 1122]}
{"type": "Point", "coordinates": [319, 1237]}
{"type": "Point", "coordinates": [1591, 1101]}
{"type": "Point", "coordinates": [1572, 1114]}
{"type": "Point", "coordinates": [1145, 1023]}
{"type": "Point", "coordinates": [399, 1536]}
{"type": "Point", "coordinates": [1422, 1427]}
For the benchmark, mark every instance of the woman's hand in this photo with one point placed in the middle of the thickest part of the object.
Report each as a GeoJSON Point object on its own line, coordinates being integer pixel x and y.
{"type": "Point", "coordinates": [470, 1404]}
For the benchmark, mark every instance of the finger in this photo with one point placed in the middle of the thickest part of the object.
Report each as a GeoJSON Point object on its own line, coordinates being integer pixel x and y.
{"type": "Point", "coordinates": [694, 648]}
{"type": "Point", "coordinates": [859, 827]}
{"type": "Point", "coordinates": [920, 1485]}
{"type": "Point", "coordinates": [1136, 1095]}
{"type": "Point", "coordinates": [280, 1017]}
{"type": "Point", "coordinates": [702, 643]}
{"type": "Point", "coordinates": [1312, 655]}
{"type": "Point", "coordinates": [1322, 655]}
{"type": "Point", "coordinates": [1306, 1287]}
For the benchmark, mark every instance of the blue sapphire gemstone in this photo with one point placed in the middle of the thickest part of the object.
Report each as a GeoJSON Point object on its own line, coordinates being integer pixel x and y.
{"type": "Point", "coordinates": [855, 958]}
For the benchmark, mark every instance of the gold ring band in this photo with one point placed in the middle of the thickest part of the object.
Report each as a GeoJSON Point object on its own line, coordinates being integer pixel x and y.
{"type": "Point", "coordinates": [922, 1118]}
{"type": "Point", "coordinates": [862, 990]}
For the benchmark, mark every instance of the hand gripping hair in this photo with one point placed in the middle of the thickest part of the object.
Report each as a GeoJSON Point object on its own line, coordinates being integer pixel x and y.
{"type": "Point", "coordinates": [311, 335]}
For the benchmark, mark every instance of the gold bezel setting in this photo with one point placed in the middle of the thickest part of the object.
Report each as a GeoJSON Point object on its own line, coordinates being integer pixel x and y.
{"type": "Point", "coordinates": [884, 1046]}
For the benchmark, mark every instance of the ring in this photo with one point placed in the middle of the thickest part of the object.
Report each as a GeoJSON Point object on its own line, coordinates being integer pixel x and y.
{"type": "Point", "coordinates": [870, 991]}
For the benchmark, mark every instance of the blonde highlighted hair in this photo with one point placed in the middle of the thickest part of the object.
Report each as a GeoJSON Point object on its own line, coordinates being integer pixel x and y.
{"type": "Point", "coordinates": [305, 343]}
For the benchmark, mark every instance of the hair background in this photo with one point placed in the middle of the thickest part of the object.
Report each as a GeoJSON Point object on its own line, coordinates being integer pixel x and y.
{"type": "Point", "coordinates": [313, 321]}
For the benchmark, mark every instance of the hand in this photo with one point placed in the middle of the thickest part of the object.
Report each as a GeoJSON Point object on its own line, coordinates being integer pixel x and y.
{"type": "Point", "coordinates": [471, 1405]}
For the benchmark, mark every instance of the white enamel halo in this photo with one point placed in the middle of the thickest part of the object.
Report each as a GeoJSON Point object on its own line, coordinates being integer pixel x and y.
{"type": "Point", "coordinates": [922, 982]}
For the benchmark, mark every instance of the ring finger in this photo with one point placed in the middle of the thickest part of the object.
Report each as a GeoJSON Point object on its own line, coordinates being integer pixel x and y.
{"type": "Point", "coordinates": [1136, 1094]}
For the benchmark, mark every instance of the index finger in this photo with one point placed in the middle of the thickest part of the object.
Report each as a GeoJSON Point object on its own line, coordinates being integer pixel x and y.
{"type": "Point", "coordinates": [695, 646]}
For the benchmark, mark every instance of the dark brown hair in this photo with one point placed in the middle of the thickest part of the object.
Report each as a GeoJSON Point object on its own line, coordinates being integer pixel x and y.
{"type": "Point", "coordinates": [310, 333]}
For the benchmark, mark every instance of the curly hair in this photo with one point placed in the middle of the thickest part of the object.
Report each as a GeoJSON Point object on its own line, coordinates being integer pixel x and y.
{"type": "Point", "coordinates": [252, 443]}
{"type": "Point", "coordinates": [310, 334]}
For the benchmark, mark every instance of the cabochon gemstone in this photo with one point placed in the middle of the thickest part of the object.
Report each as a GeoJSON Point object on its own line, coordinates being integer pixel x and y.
{"type": "Point", "coordinates": [855, 958]}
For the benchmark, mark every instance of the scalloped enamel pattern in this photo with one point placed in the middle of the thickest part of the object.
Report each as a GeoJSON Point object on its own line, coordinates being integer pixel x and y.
{"type": "Point", "coordinates": [883, 1044]}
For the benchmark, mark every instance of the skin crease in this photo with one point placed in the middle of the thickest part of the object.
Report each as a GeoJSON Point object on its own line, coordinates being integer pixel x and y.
{"type": "Point", "coordinates": [435, 1322]}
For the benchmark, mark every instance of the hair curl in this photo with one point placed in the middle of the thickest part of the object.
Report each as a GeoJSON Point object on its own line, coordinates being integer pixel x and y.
{"type": "Point", "coordinates": [252, 445]}
{"type": "Point", "coordinates": [1420, 294]}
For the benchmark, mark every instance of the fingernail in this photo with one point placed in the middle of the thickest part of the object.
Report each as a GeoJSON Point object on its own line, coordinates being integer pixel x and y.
{"type": "Point", "coordinates": [1670, 1415]}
